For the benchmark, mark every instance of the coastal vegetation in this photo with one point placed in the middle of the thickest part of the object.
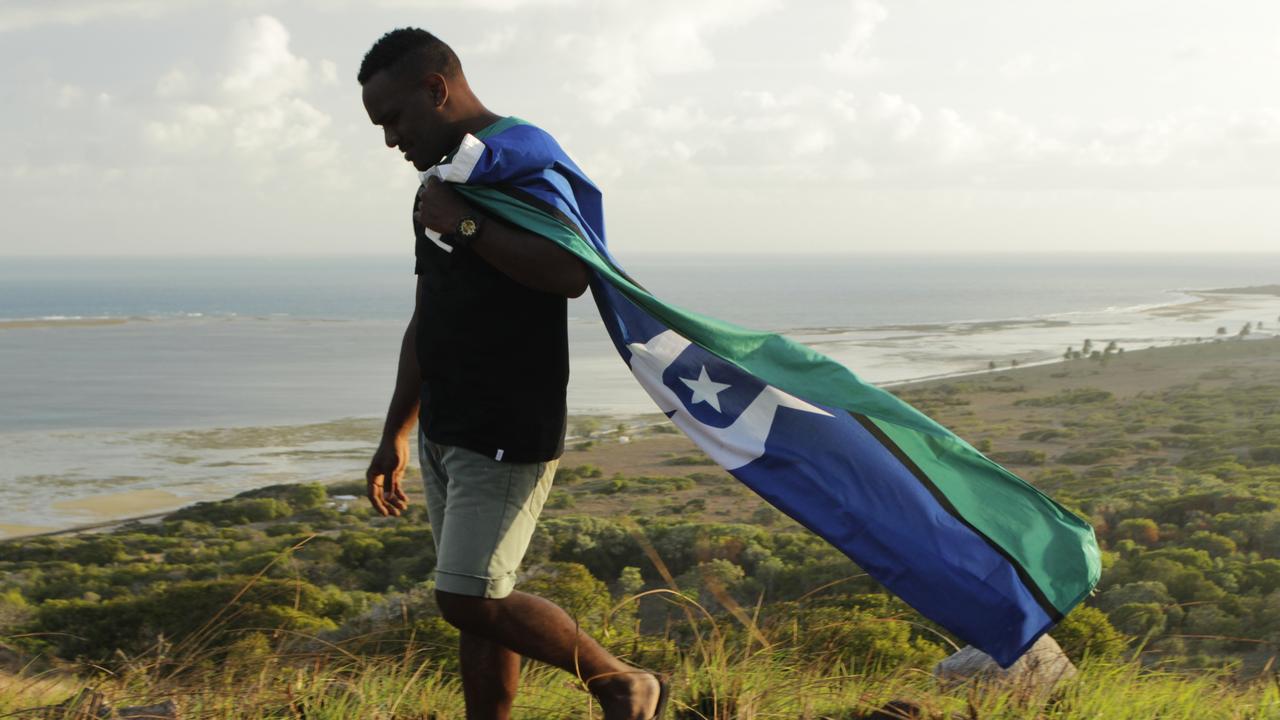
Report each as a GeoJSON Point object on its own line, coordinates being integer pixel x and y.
{"type": "Point", "coordinates": [297, 601]}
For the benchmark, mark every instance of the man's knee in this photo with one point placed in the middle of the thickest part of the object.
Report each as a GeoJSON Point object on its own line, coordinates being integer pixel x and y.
{"type": "Point", "coordinates": [466, 612]}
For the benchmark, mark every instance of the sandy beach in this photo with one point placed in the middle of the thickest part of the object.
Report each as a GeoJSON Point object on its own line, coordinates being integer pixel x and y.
{"type": "Point", "coordinates": [109, 506]}
{"type": "Point", "coordinates": [60, 323]}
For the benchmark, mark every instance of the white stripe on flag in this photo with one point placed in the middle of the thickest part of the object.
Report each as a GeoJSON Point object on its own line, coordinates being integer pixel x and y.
{"type": "Point", "coordinates": [457, 170]}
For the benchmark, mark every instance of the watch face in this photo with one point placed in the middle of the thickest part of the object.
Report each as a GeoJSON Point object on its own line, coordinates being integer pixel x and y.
{"type": "Point", "coordinates": [467, 227]}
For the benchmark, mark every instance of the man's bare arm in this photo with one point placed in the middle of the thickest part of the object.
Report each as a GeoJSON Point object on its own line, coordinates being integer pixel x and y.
{"type": "Point", "coordinates": [527, 258]}
{"type": "Point", "coordinates": [531, 260]}
{"type": "Point", "coordinates": [392, 456]}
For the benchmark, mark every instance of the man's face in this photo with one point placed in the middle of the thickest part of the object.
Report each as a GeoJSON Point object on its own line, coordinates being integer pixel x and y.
{"type": "Point", "coordinates": [410, 118]}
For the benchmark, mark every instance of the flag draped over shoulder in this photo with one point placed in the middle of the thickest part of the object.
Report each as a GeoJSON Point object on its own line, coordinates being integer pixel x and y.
{"type": "Point", "coordinates": [958, 537]}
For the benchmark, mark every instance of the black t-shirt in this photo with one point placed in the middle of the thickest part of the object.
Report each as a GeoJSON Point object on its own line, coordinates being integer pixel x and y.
{"type": "Point", "coordinates": [493, 355]}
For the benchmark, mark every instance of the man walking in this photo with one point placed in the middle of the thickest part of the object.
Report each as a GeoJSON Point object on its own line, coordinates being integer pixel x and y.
{"type": "Point", "coordinates": [483, 370]}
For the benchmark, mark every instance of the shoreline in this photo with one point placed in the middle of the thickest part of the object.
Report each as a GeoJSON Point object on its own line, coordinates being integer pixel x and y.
{"type": "Point", "coordinates": [1185, 360]}
{"type": "Point", "coordinates": [963, 325]}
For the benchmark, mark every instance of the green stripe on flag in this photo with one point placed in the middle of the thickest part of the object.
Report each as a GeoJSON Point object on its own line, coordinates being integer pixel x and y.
{"type": "Point", "coordinates": [499, 126]}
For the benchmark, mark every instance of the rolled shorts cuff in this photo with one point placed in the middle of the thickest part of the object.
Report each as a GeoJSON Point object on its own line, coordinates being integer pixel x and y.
{"type": "Point", "coordinates": [494, 588]}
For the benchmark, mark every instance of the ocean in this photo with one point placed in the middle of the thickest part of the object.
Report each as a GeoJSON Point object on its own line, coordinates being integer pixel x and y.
{"type": "Point", "coordinates": [129, 375]}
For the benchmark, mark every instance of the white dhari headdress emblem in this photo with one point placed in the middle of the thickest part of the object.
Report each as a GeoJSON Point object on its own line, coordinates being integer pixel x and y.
{"type": "Point", "coordinates": [732, 446]}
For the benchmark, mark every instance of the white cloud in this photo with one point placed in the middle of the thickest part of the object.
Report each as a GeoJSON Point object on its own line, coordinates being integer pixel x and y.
{"type": "Point", "coordinates": [1189, 53]}
{"type": "Point", "coordinates": [853, 54]}
{"type": "Point", "coordinates": [494, 6]}
{"type": "Point", "coordinates": [263, 68]}
{"type": "Point", "coordinates": [622, 52]}
{"type": "Point", "coordinates": [811, 142]}
{"type": "Point", "coordinates": [684, 116]}
{"type": "Point", "coordinates": [173, 84]}
{"type": "Point", "coordinates": [494, 42]}
{"type": "Point", "coordinates": [1028, 66]}
{"type": "Point", "coordinates": [25, 14]}
{"type": "Point", "coordinates": [69, 96]}
{"type": "Point", "coordinates": [258, 110]}
{"type": "Point", "coordinates": [749, 99]}
{"type": "Point", "coordinates": [328, 72]}
{"type": "Point", "coordinates": [957, 139]}
{"type": "Point", "coordinates": [809, 133]}
{"type": "Point", "coordinates": [902, 118]}
{"type": "Point", "coordinates": [192, 127]}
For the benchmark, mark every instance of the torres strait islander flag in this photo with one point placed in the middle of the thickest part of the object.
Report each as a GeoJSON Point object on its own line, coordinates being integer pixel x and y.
{"type": "Point", "coordinates": [964, 541]}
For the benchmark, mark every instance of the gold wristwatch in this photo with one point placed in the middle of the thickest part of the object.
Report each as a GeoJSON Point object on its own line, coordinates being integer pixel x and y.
{"type": "Point", "coordinates": [465, 232]}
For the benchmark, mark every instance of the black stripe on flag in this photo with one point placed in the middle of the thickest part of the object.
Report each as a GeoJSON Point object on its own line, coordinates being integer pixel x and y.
{"type": "Point", "coordinates": [1054, 614]}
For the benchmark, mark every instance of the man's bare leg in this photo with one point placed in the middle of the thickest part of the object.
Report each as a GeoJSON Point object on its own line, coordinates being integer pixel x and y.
{"type": "Point", "coordinates": [490, 677]}
{"type": "Point", "coordinates": [537, 628]}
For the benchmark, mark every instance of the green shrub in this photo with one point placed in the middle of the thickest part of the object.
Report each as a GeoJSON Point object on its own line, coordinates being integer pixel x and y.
{"type": "Point", "coordinates": [297, 496]}
{"type": "Point", "coordinates": [570, 475]}
{"type": "Point", "coordinates": [1075, 396]}
{"type": "Point", "coordinates": [1087, 456]}
{"type": "Point", "coordinates": [237, 511]}
{"type": "Point", "coordinates": [560, 501]}
{"type": "Point", "coordinates": [689, 460]}
{"type": "Point", "coordinates": [1140, 620]}
{"type": "Point", "coordinates": [1045, 435]}
{"type": "Point", "coordinates": [574, 588]}
{"type": "Point", "coordinates": [347, 487]}
{"type": "Point", "coordinates": [1265, 454]}
{"type": "Point", "coordinates": [132, 624]}
{"type": "Point", "coordinates": [863, 640]}
{"type": "Point", "coordinates": [1019, 457]}
{"type": "Point", "coordinates": [1086, 632]}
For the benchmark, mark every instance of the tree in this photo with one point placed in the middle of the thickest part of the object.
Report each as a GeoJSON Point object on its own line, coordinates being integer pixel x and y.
{"type": "Point", "coordinates": [1144, 591]}
{"type": "Point", "coordinates": [572, 587]}
{"type": "Point", "coordinates": [1087, 632]}
{"type": "Point", "coordinates": [1143, 531]}
{"type": "Point", "coordinates": [630, 582]}
{"type": "Point", "coordinates": [1139, 619]}
{"type": "Point", "coordinates": [1213, 543]}
{"type": "Point", "coordinates": [711, 580]}
{"type": "Point", "coordinates": [1262, 576]}
{"type": "Point", "coordinates": [864, 639]}
{"type": "Point", "coordinates": [131, 624]}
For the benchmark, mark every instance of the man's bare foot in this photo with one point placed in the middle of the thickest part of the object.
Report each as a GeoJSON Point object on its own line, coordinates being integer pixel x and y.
{"type": "Point", "coordinates": [627, 696]}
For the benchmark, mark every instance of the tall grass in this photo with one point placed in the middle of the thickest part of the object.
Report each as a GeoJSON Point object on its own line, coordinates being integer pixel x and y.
{"type": "Point", "coordinates": [729, 668]}
{"type": "Point", "coordinates": [726, 674]}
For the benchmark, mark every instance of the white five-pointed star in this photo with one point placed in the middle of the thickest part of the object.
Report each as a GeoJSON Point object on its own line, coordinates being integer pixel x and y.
{"type": "Point", "coordinates": [705, 389]}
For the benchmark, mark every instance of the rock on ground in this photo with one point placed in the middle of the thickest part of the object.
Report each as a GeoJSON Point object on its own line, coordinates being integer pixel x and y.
{"type": "Point", "coordinates": [1035, 673]}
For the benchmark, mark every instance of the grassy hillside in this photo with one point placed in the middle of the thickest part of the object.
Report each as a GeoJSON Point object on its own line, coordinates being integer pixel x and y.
{"type": "Point", "coordinates": [296, 601]}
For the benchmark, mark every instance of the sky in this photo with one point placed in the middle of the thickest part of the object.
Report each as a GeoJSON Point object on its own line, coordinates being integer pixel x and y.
{"type": "Point", "coordinates": [189, 127]}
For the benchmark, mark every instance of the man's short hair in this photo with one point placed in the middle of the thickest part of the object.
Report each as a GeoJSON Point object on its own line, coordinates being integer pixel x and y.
{"type": "Point", "coordinates": [409, 50]}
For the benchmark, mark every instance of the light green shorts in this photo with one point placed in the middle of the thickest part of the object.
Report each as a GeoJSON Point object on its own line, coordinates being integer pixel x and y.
{"type": "Point", "coordinates": [482, 515]}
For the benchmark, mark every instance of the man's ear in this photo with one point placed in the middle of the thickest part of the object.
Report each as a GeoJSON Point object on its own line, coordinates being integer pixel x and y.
{"type": "Point", "coordinates": [437, 88]}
